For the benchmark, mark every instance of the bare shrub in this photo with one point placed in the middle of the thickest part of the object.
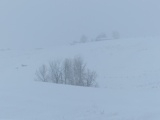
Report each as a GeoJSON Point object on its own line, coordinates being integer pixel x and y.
{"type": "Point", "coordinates": [90, 78]}
{"type": "Point", "coordinates": [101, 37]}
{"type": "Point", "coordinates": [55, 72]}
{"type": "Point", "coordinates": [79, 71]}
{"type": "Point", "coordinates": [70, 71]}
{"type": "Point", "coordinates": [42, 74]}
{"type": "Point", "coordinates": [83, 39]}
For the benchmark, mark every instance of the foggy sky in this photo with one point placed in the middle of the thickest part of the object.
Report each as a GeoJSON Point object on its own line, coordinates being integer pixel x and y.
{"type": "Point", "coordinates": [38, 23]}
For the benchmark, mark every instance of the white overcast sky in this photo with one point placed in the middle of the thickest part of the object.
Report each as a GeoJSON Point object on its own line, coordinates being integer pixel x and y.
{"type": "Point", "coordinates": [38, 23]}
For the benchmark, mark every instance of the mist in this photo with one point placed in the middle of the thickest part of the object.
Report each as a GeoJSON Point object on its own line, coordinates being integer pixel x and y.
{"type": "Point", "coordinates": [47, 23]}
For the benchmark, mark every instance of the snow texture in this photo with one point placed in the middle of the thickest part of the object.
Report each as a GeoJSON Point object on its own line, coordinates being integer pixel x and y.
{"type": "Point", "coordinates": [128, 75]}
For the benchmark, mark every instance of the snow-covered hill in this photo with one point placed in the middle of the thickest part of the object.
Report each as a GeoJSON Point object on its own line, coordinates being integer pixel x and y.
{"type": "Point", "coordinates": [128, 76]}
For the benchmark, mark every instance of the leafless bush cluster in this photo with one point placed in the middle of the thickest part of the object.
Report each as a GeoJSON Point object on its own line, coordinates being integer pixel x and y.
{"type": "Point", "coordinates": [70, 71]}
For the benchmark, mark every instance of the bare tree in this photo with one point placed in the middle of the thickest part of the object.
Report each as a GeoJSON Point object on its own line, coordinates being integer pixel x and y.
{"type": "Point", "coordinates": [68, 72]}
{"type": "Point", "coordinates": [55, 72]}
{"type": "Point", "coordinates": [79, 71]}
{"type": "Point", "coordinates": [42, 74]}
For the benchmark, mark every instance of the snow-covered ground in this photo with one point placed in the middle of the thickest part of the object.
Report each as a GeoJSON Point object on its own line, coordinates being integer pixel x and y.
{"type": "Point", "coordinates": [128, 75]}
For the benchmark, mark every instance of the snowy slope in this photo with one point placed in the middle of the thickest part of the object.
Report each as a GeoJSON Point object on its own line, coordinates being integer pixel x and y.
{"type": "Point", "coordinates": [41, 101]}
{"type": "Point", "coordinates": [128, 76]}
{"type": "Point", "coordinates": [118, 63]}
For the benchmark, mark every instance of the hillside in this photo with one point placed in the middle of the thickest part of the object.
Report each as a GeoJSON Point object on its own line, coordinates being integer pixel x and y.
{"type": "Point", "coordinates": [118, 63]}
{"type": "Point", "coordinates": [128, 76]}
